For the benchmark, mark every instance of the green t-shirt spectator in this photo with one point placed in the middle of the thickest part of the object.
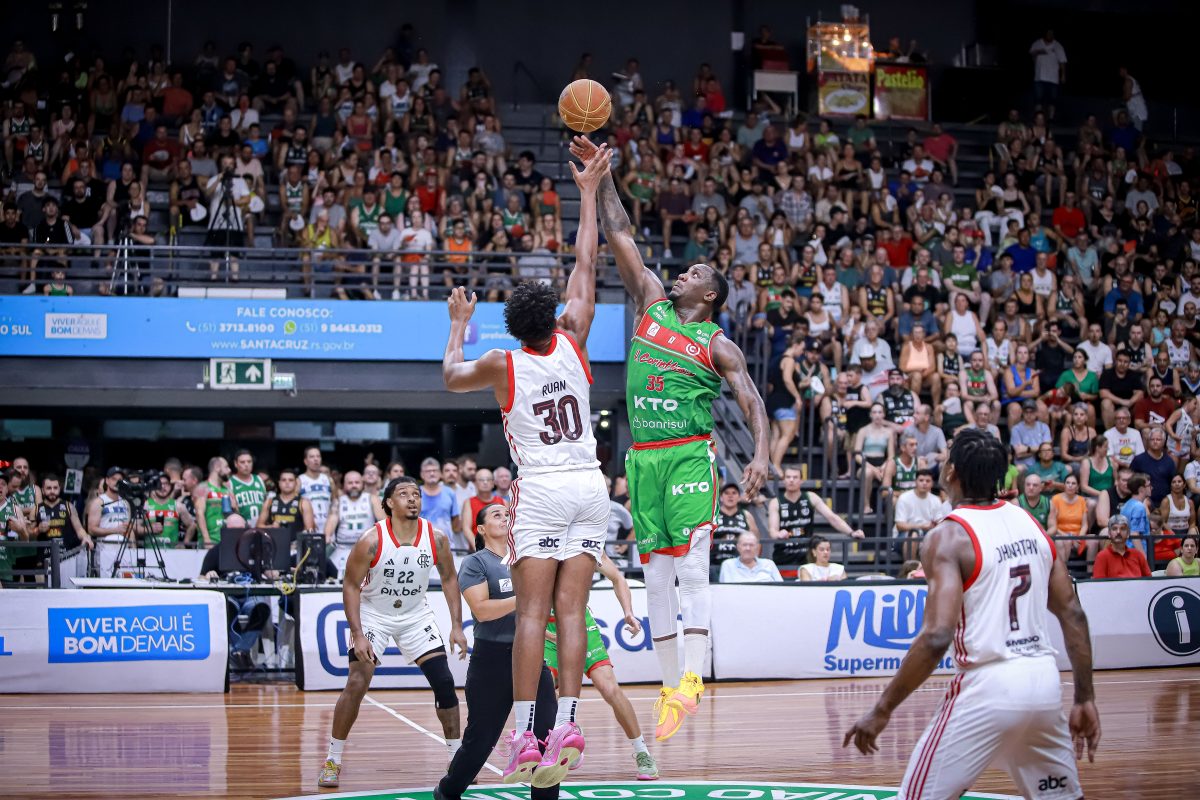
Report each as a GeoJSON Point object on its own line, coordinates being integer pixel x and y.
{"type": "Point", "coordinates": [1089, 385]}
{"type": "Point", "coordinates": [961, 277]}
{"type": "Point", "coordinates": [859, 136]}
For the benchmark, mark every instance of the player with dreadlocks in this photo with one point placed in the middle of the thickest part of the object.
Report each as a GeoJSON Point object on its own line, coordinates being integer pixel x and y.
{"type": "Point", "coordinates": [992, 575]}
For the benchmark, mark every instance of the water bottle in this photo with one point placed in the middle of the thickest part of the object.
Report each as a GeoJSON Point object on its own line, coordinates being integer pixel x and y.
{"type": "Point", "coordinates": [226, 504]}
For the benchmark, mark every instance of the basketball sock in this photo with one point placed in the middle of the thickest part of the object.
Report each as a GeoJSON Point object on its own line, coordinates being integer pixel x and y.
{"type": "Point", "coordinates": [335, 750]}
{"type": "Point", "coordinates": [453, 745]}
{"type": "Point", "coordinates": [668, 660]}
{"type": "Point", "coordinates": [566, 710]}
{"type": "Point", "coordinates": [639, 745]}
{"type": "Point", "coordinates": [695, 647]}
{"type": "Point", "coordinates": [523, 710]}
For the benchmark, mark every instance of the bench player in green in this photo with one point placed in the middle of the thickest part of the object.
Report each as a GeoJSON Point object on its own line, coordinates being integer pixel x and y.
{"type": "Point", "coordinates": [677, 359]}
{"type": "Point", "coordinates": [599, 668]}
{"type": "Point", "coordinates": [249, 491]}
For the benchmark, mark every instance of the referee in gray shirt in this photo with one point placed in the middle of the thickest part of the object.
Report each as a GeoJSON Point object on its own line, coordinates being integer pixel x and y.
{"type": "Point", "coordinates": [486, 585]}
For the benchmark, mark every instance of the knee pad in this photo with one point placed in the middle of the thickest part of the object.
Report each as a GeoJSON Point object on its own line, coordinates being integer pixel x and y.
{"type": "Point", "coordinates": [695, 596]}
{"type": "Point", "coordinates": [437, 672]}
{"type": "Point", "coordinates": [661, 603]}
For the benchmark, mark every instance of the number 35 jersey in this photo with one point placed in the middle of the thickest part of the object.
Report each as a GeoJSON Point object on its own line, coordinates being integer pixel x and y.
{"type": "Point", "coordinates": [398, 579]}
{"type": "Point", "coordinates": [1004, 599]}
{"type": "Point", "coordinates": [548, 416]}
{"type": "Point", "coordinates": [670, 380]}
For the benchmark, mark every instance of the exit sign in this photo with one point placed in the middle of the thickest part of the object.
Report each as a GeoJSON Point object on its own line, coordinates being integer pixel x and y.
{"type": "Point", "coordinates": [239, 373]}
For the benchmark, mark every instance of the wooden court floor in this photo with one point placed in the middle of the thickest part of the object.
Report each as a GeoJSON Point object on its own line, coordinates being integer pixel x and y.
{"type": "Point", "coordinates": [269, 741]}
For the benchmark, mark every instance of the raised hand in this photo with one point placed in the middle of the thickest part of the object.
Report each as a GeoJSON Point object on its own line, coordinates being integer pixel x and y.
{"type": "Point", "coordinates": [459, 306]}
{"type": "Point", "coordinates": [583, 148]}
{"type": "Point", "coordinates": [589, 179]}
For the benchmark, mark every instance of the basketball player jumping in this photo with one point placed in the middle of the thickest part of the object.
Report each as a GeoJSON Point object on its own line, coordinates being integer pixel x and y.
{"type": "Point", "coordinates": [992, 574]}
{"type": "Point", "coordinates": [559, 512]}
{"type": "Point", "coordinates": [387, 576]}
{"type": "Point", "coordinates": [676, 362]}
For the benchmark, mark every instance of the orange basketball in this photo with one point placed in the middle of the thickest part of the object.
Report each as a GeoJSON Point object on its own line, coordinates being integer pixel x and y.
{"type": "Point", "coordinates": [584, 105]}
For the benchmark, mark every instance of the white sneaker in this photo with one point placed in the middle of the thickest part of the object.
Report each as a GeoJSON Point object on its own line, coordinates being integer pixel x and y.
{"type": "Point", "coordinates": [395, 294]}
{"type": "Point", "coordinates": [667, 253]}
{"type": "Point", "coordinates": [377, 295]}
{"type": "Point", "coordinates": [30, 289]}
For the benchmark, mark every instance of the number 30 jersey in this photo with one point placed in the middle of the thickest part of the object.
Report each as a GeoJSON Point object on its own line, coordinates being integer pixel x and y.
{"type": "Point", "coordinates": [1004, 599]}
{"type": "Point", "coordinates": [548, 416]}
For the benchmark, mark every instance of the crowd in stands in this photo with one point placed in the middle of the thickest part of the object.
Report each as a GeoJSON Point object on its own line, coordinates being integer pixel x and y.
{"type": "Point", "coordinates": [379, 158]}
{"type": "Point", "coordinates": [1054, 305]}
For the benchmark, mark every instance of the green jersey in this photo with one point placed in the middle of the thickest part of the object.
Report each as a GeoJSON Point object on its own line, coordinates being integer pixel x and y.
{"type": "Point", "coordinates": [214, 510]}
{"type": "Point", "coordinates": [250, 497]}
{"type": "Point", "coordinates": [960, 277]}
{"type": "Point", "coordinates": [906, 477]}
{"type": "Point", "coordinates": [671, 381]}
{"type": "Point", "coordinates": [164, 513]}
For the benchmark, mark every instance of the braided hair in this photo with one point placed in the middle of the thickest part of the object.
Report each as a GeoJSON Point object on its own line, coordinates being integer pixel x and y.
{"type": "Point", "coordinates": [980, 462]}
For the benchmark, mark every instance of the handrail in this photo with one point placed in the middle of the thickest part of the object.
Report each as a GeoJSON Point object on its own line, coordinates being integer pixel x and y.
{"type": "Point", "coordinates": [519, 67]}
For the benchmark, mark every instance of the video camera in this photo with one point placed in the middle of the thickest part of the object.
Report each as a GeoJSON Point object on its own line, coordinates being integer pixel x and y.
{"type": "Point", "coordinates": [136, 486]}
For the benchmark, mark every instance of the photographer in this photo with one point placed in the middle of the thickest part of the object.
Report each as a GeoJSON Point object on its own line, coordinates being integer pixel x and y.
{"type": "Point", "coordinates": [229, 202]}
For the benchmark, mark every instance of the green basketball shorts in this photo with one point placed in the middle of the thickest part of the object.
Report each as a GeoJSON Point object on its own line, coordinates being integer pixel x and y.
{"type": "Point", "coordinates": [596, 655]}
{"type": "Point", "coordinates": [673, 490]}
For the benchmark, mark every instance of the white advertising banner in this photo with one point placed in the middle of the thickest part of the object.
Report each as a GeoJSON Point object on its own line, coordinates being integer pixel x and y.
{"type": "Point", "coordinates": [144, 640]}
{"type": "Point", "coordinates": [865, 629]}
{"type": "Point", "coordinates": [324, 637]}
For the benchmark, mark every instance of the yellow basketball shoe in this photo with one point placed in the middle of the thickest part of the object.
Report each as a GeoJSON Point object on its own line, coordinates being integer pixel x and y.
{"type": "Point", "coordinates": [670, 714]}
{"type": "Point", "coordinates": [329, 774]}
{"type": "Point", "coordinates": [690, 690]}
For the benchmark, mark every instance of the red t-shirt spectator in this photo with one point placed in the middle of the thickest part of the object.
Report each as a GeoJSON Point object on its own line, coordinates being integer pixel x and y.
{"type": "Point", "coordinates": [716, 100]}
{"type": "Point", "coordinates": [160, 153]}
{"type": "Point", "coordinates": [899, 252]}
{"type": "Point", "coordinates": [697, 151]}
{"type": "Point", "coordinates": [1153, 412]}
{"type": "Point", "coordinates": [1131, 564]}
{"type": "Point", "coordinates": [938, 147]}
{"type": "Point", "coordinates": [177, 102]}
{"type": "Point", "coordinates": [1069, 220]}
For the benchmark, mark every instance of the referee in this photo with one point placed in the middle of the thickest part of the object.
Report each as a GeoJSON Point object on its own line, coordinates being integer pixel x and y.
{"type": "Point", "coordinates": [486, 585]}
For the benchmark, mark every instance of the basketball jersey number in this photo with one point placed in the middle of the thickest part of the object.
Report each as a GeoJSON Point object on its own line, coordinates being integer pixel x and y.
{"type": "Point", "coordinates": [655, 383]}
{"type": "Point", "coordinates": [1024, 582]}
{"type": "Point", "coordinates": [562, 419]}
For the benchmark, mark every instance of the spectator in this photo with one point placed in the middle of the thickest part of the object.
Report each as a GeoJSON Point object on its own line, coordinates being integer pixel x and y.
{"type": "Point", "coordinates": [1069, 517]}
{"type": "Point", "coordinates": [1032, 500]}
{"type": "Point", "coordinates": [749, 567]}
{"type": "Point", "coordinates": [1136, 509]}
{"type": "Point", "coordinates": [1052, 471]}
{"type": "Point", "coordinates": [917, 511]}
{"type": "Point", "coordinates": [438, 504]}
{"type": "Point", "coordinates": [1185, 565]}
{"type": "Point", "coordinates": [1156, 464]}
{"type": "Point", "coordinates": [1153, 409]}
{"type": "Point", "coordinates": [1120, 390]}
{"type": "Point", "coordinates": [1028, 435]}
{"type": "Point", "coordinates": [819, 568]}
{"type": "Point", "coordinates": [942, 148]}
{"type": "Point", "coordinates": [1118, 560]}
{"type": "Point", "coordinates": [1124, 442]}
{"type": "Point", "coordinates": [1049, 71]}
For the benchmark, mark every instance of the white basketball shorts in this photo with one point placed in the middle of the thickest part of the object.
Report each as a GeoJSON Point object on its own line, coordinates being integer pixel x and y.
{"type": "Point", "coordinates": [415, 634]}
{"type": "Point", "coordinates": [558, 515]}
{"type": "Point", "coordinates": [1008, 715]}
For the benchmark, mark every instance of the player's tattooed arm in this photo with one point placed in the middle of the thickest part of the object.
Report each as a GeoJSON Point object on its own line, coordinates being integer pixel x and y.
{"type": "Point", "coordinates": [731, 364]}
{"type": "Point", "coordinates": [1063, 603]}
{"type": "Point", "coordinates": [643, 285]}
{"type": "Point", "coordinates": [445, 567]}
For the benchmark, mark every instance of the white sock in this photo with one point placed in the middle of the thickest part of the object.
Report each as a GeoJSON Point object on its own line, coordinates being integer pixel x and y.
{"type": "Point", "coordinates": [695, 646]}
{"type": "Point", "coordinates": [639, 745]}
{"type": "Point", "coordinates": [566, 710]}
{"type": "Point", "coordinates": [523, 712]}
{"type": "Point", "coordinates": [453, 745]}
{"type": "Point", "coordinates": [668, 660]}
{"type": "Point", "coordinates": [335, 750]}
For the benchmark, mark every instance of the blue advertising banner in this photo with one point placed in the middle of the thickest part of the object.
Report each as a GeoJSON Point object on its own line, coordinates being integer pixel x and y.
{"type": "Point", "coordinates": [128, 327]}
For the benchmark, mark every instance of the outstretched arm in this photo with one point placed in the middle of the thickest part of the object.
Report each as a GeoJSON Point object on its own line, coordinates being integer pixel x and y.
{"type": "Point", "coordinates": [942, 558]}
{"type": "Point", "coordinates": [642, 284]}
{"type": "Point", "coordinates": [460, 375]}
{"type": "Point", "coordinates": [731, 364]}
{"type": "Point", "coordinates": [580, 308]}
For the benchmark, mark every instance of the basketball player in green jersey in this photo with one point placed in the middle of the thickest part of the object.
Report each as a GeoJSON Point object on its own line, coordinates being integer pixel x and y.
{"type": "Point", "coordinates": [249, 491]}
{"type": "Point", "coordinates": [677, 359]}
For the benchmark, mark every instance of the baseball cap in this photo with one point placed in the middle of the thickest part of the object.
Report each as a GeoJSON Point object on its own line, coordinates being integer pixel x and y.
{"type": "Point", "coordinates": [867, 352]}
{"type": "Point", "coordinates": [1029, 405]}
{"type": "Point", "coordinates": [812, 343]}
{"type": "Point", "coordinates": [895, 371]}
{"type": "Point", "coordinates": [114, 471]}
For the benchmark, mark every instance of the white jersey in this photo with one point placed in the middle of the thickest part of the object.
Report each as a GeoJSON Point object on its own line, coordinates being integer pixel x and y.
{"type": "Point", "coordinates": [1180, 355]}
{"type": "Point", "coordinates": [398, 579]}
{"type": "Point", "coordinates": [318, 492]}
{"type": "Point", "coordinates": [548, 416]}
{"type": "Point", "coordinates": [1004, 599]}
{"type": "Point", "coordinates": [114, 513]}
{"type": "Point", "coordinates": [354, 517]}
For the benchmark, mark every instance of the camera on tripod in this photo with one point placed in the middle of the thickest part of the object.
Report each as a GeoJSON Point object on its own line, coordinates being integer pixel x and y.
{"type": "Point", "coordinates": [136, 487]}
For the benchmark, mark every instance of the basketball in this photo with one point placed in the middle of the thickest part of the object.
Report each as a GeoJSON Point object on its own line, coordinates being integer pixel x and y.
{"type": "Point", "coordinates": [584, 105]}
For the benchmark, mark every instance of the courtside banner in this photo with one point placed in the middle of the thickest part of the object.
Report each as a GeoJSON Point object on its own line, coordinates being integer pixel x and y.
{"type": "Point", "coordinates": [324, 636]}
{"type": "Point", "coordinates": [164, 327]}
{"type": "Point", "coordinates": [844, 630]}
{"type": "Point", "coordinates": [113, 640]}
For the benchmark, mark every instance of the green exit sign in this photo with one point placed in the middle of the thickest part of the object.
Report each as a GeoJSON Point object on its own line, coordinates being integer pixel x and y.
{"type": "Point", "coordinates": [239, 373]}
